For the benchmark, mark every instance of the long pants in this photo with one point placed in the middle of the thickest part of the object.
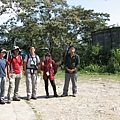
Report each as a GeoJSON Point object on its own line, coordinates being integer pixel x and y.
{"type": "Point", "coordinates": [2, 87]}
{"type": "Point", "coordinates": [73, 78]}
{"type": "Point", "coordinates": [53, 86]}
{"type": "Point", "coordinates": [14, 82]}
{"type": "Point", "coordinates": [31, 80]}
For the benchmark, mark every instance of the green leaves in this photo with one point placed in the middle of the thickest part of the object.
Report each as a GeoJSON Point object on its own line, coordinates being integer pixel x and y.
{"type": "Point", "coordinates": [50, 23]}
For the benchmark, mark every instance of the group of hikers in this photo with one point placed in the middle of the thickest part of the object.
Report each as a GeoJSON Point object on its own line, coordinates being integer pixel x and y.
{"type": "Point", "coordinates": [31, 66]}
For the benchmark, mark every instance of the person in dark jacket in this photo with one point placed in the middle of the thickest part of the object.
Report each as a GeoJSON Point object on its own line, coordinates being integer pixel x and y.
{"type": "Point", "coordinates": [71, 62]}
{"type": "Point", "coordinates": [49, 68]}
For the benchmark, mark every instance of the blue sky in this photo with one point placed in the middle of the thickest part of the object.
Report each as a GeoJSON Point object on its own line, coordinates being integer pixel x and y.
{"type": "Point", "coordinates": [111, 7]}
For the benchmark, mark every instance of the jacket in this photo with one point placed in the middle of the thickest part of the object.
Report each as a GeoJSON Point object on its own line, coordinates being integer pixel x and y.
{"type": "Point", "coordinates": [50, 68]}
{"type": "Point", "coordinates": [71, 62]}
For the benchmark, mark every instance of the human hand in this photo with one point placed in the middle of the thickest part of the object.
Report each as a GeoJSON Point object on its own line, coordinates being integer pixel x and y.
{"type": "Point", "coordinates": [42, 63]}
{"type": "Point", "coordinates": [71, 70]}
{"type": "Point", "coordinates": [25, 73]}
{"type": "Point", "coordinates": [8, 76]}
{"type": "Point", "coordinates": [38, 74]}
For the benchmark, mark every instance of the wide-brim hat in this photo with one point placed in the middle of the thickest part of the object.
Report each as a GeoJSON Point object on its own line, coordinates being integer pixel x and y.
{"type": "Point", "coordinates": [15, 48]}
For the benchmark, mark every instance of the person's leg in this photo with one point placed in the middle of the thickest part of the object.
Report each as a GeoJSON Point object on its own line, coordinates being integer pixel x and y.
{"type": "Point", "coordinates": [3, 84]}
{"type": "Point", "coordinates": [17, 82]}
{"type": "Point", "coordinates": [54, 87]}
{"type": "Point", "coordinates": [66, 84]}
{"type": "Point", "coordinates": [34, 86]}
{"type": "Point", "coordinates": [11, 85]}
{"type": "Point", "coordinates": [46, 87]}
{"type": "Point", "coordinates": [74, 83]}
{"type": "Point", "coordinates": [28, 85]}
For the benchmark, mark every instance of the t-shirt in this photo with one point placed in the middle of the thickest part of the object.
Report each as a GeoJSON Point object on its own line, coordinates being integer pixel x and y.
{"type": "Point", "coordinates": [31, 61]}
{"type": "Point", "coordinates": [15, 64]}
{"type": "Point", "coordinates": [3, 65]}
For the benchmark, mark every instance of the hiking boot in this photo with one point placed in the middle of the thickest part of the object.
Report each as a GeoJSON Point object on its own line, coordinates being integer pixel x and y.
{"type": "Point", "coordinates": [64, 95]}
{"type": "Point", "coordinates": [16, 99]}
{"type": "Point", "coordinates": [55, 95]}
{"type": "Point", "coordinates": [47, 95]}
{"type": "Point", "coordinates": [28, 98]}
{"type": "Point", "coordinates": [34, 98]}
{"type": "Point", "coordinates": [8, 101]}
{"type": "Point", "coordinates": [2, 102]}
{"type": "Point", "coordinates": [74, 95]}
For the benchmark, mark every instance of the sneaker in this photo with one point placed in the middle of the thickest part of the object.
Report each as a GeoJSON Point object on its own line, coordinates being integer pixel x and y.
{"type": "Point", "coordinates": [28, 98]}
{"type": "Point", "coordinates": [34, 98]}
{"type": "Point", "coordinates": [56, 95]}
{"type": "Point", "coordinates": [2, 102]}
{"type": "Point", "coordinates": [64, 95]}
{"type": "Point", "coordinates": [74, 95]}
{"type": "Point", "coordinates": [47, 95]}
{"type": "Point", "coordinates": [16, 99]}
{"type": "Point", "coordinates": [8, 101]}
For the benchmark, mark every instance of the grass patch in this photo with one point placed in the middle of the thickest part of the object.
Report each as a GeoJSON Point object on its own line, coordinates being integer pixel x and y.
{"type": "Point", "coordinates": [86, 76]}
{"type": "Point", "coordinates": [37, 115]}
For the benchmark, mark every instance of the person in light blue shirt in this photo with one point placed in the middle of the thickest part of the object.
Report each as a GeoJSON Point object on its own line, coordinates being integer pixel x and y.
{"type": "Point", "coordinates": [3, 72]}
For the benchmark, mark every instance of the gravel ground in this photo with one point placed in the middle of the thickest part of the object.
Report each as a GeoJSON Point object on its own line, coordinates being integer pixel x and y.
{"type": "Point", "coordinates": [97, 99]}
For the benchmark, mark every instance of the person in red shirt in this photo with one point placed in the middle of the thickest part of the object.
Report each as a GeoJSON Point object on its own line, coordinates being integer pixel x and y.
{"type": "Point", "coordinates": [14, 73]}
{"type": "Point", "coordinates": [49, 68]}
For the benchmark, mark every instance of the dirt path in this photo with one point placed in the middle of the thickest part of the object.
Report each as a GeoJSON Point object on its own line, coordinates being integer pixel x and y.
{"type": "Point", "coordinates": [96, 100]}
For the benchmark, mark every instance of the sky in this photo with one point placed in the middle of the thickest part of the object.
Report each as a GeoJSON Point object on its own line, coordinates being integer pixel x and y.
{"type": "Point", "coordinates": [111, 7]}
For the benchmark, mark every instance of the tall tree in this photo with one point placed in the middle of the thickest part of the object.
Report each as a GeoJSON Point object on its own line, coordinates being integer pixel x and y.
{"type": "Point", "coordinates": [50, 23]}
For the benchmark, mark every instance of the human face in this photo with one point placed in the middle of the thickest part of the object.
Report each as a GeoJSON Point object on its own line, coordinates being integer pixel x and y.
{"type": "Point", "coordinates": [16, 51]}
{"type": "Point", "coordinates": [47, 57]}
{"type": "Point", "coordinates": [72, 50]}
{"type": "Point", "coordinates": [2, 54]}
{"type": "Point", "coordinates": [32, 50]}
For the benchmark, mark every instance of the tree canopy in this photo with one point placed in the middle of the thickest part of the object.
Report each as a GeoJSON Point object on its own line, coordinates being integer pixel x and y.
{"type": "Point", "coordinates": [48, 23]}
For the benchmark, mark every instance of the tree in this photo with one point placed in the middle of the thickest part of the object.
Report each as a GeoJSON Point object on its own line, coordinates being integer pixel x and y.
{"type": "Point", "coordinates": [51, 23]}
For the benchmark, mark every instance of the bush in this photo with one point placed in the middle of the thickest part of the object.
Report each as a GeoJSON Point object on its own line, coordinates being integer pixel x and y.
{"type": "Point", "coordinates": [92, 68]}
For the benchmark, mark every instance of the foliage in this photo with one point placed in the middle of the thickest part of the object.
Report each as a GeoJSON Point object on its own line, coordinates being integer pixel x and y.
{"type": "Point", "coordinates": [113, 65]}
{"type": "Point", "coordinates": [50, 23]}
{"type": "Point", "coordinates": [101, 62]}
{"type": "Point", "coordinates": [54, 25]}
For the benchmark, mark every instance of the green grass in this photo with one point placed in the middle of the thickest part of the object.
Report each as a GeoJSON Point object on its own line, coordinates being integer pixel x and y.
{"type": "Point", "coordinates": [86, 76]}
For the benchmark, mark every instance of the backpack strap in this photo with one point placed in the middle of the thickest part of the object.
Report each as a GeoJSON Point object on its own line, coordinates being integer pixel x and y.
{"type": "Point", "coordinates": [28, 56]}
{"type": "Point", "coordinates": [35, 66]}
{"type": "Point", "coordinates": [11, 60]}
